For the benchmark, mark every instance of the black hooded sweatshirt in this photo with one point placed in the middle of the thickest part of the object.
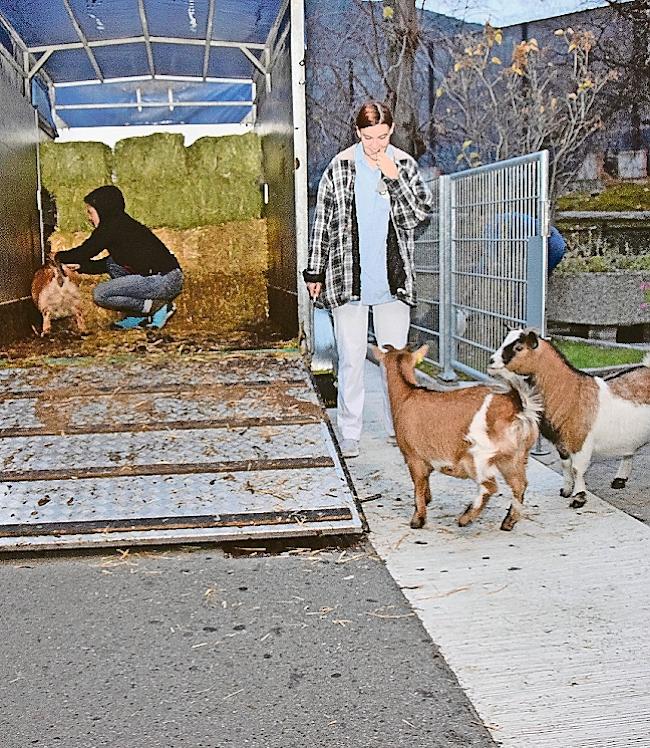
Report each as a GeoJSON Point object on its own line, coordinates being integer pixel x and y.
{"type": "Point", "coordinates": [130, 244]}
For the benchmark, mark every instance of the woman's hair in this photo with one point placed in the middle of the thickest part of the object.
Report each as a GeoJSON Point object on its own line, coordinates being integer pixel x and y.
{"type": "Point", "coordinates": [374, 113]}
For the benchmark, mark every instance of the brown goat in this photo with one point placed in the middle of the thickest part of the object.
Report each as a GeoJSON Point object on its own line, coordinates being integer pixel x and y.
{"type": "Point", "coordinates": [583, 415]}
{"type": "Point", "coordinates": [55, 292]}
{"type": "Point", "coordinates": [474, 432]}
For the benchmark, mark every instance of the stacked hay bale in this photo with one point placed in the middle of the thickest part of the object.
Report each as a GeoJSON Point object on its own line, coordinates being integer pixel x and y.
{"type": "Point", "coordinates": [203, 201]}
{"type": "Point", "coordinates": [70, 171]}
{"type": "Point", "coordinates": [152, 174]}
{"type": "Point", "coordinates": [233, 165]}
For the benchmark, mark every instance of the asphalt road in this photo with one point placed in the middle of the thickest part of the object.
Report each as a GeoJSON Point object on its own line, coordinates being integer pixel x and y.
{"type": "Point", "coordinates": [197, 647]}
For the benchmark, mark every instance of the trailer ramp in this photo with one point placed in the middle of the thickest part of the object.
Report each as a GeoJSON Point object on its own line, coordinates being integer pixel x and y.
{"type": "Point", "coordinates": [219, 447]}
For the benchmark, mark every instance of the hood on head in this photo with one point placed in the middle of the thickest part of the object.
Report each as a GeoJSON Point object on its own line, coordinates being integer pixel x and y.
{"type": "Point", "coordinates": [108, 201]}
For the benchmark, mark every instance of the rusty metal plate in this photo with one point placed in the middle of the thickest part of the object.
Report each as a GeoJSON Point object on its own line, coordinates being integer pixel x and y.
{"type": "Point", "coordinates": [207, 452]}
{"type": "Point", "coordinates": [91, 377]}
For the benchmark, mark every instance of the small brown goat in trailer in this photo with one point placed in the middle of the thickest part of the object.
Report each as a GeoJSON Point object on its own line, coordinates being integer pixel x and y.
{"type": "Point", "coordinates": [474, 432]}
{"type": "Point", "coordinates": [55, 291]}
{"type": "Point", "coordinates": [583, 415]}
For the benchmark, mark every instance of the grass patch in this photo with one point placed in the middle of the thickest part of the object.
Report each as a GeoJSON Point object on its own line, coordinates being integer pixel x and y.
{"type": "Point", "coordinates": [434, 371]}
{"type": "Point", "coordinates": [585, 356]}
{"type": "Point", "coordinates": [428, 368]}
{"type": "Point", "coordinates": [616, 197]}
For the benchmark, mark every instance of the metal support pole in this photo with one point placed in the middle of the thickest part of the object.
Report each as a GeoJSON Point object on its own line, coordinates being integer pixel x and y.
{"type": "Point", "coordinates": [305, 311]}
{"type": "Point", "coordinates": [27, 81]}
{"type": "Point", "coordinates": [446, 280]}
{"type": "Point", "coordinates": [545, 228]}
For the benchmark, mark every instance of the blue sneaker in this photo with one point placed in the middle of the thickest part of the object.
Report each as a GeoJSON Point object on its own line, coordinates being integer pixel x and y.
{"type": "Point", "coordinates": [129, 323]}
{"type": "Point", "coordinates": [160, 318]}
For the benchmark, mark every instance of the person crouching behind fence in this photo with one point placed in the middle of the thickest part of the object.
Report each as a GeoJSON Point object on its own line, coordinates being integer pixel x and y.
{"type": "Point", "coordinates": [370, 199]}
{"type": "Point", "coordinates": [145, 275]}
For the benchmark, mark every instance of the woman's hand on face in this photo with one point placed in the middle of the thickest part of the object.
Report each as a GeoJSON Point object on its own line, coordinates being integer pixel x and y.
{"type": "Point", "coordinates": [314, 290]}
{"type": "Point", "coordinates": [387, 165]}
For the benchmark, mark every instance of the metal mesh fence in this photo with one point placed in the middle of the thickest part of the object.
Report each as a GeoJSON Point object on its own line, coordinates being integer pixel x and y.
{"type": "Point", "coordinates": [481, 261]}
{"type": "Point", "coordinates": [425, 324]}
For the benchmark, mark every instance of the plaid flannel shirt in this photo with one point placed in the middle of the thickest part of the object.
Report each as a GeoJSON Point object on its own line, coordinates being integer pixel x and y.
{"type": "Point", "coordinates": [334, 243]}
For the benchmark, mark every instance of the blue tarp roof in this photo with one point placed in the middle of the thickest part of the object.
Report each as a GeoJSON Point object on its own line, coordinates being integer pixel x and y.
{"type": "Point", "coordinates": [57, 24]}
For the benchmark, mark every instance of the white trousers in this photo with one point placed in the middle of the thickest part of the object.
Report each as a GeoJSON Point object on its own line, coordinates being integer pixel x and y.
{"type": "Point", "coordinates": [391, 324]}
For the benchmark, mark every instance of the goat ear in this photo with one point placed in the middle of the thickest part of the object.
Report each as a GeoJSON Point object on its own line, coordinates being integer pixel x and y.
{"type": "Point", "coordinates": [377, 352]}
{"type": "Point", "coordinates": [420, 353]}
{"type": "Point", "coordinates": [531, 339]}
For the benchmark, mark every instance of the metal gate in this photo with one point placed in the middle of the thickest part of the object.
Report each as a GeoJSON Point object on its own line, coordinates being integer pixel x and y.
{"type": "Point", "coordinates": [481, 262]}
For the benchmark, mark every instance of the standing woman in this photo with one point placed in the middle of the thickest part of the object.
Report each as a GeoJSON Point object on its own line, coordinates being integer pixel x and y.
{"type": "Point", "coordinates": [370, 199]}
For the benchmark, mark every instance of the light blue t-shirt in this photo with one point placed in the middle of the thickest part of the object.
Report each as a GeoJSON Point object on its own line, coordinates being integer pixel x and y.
{"type": "Point", "coordinates": [373, 213]}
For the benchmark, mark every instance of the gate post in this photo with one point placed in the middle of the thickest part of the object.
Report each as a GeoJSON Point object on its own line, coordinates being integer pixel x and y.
{"type": "Point", "coordinates": [446, 291]}
{"type": "Point", "coordinates": [299, 108]}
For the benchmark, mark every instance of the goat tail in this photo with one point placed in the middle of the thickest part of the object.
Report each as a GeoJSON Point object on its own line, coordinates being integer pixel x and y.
{"type": "Point", "coordinates": [532, 407]}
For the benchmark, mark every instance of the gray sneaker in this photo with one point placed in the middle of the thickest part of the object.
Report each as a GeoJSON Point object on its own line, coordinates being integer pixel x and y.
{"type": "Point", "coordinates": [350, 448]}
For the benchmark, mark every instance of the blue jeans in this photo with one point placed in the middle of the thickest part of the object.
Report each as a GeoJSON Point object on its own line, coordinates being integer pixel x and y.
{"type": "Point", "coordinates": [126, 292]}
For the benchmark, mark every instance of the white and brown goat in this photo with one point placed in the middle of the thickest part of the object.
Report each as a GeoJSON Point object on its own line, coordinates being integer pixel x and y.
{"type": "Point", "coordinates": [474, 432]}
{"type": "Point", "coordinates": [55, 291]}
{"type": "Point", "coordinates": [583, 415]}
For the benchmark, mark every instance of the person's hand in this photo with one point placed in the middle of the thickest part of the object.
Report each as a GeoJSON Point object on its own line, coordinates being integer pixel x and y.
{"type": "Point", "coordinates": [387, 165]}
{"type": "Point", "coordinates": [71, 265]}
{"type": "Point", "coordinates": [314, 290]}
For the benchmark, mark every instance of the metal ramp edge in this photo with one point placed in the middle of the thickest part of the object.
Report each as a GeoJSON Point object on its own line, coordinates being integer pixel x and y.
{"type": "Point", "coordinates": [171, 463]}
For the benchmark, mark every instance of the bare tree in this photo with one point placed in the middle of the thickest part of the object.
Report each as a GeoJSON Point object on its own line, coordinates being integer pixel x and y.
{"type": "Point", "coordinates": [382, 50]}
{"type": "Point", "coordinates": [403, 33]}
{"type": "Point", "coordinates": [497, 108]}
{"type": "Point", "coordinates": [623, 48]}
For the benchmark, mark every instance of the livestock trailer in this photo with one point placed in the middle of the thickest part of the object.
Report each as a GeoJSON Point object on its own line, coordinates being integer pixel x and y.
{"type": "Point", "coordinates": [162, 450]}
{"type": "Point", "coordinates": [154, 61]}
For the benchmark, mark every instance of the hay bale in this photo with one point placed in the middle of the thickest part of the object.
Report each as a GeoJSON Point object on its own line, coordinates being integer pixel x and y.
{"type": "Point", "coordinates": [61, 240]}
{"type": "Point", "coordinates": [220, 302]}
{"type": "Point", "coordinates": [70, 171]}
{"type": "Point", "coordinates": [237, 247]}
{"type": "Point", "coordinates": [229, 156]}
{"type": "Point", "coordinates": [214, 181]}
{"type": "Point", "coordinates": [225, 276]}
{"type": "Point", "coordinates": [152, 159]}
{"type": "Point", "coordinates": [172, 204]}
{"type": "Point", "coordinates": [82, 165]}
{"type": "Point", "coordinates": [226, 173]}
{"type": "Point", "coordinates": [223, 199]}
{"type": "Point", "coordinates": [203, 200]}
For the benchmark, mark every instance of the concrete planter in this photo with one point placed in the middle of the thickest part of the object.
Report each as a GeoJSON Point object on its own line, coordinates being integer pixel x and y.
{"type": "Point", "coordinates": [600, 302]}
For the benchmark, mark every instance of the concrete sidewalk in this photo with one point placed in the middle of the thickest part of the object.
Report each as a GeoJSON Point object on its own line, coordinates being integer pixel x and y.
{"type": "Point", "coordinates": [545, 627]}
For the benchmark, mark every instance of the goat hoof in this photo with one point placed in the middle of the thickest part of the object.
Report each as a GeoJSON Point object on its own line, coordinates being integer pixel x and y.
{"type": "Point", "coordinates": [619, 482]}
{"type": "Point", "coordinates": [579, 500]}
{"type": "Point", "coordinates": [508, 523]}
{"type": "Point", "coordinates": [417, 522]}
{"type": "Point", "coordinates": [566, 492]}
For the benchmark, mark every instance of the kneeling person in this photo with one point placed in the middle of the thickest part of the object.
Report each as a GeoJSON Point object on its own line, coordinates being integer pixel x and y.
{"type": "Point", "coordinates": [145, 275]}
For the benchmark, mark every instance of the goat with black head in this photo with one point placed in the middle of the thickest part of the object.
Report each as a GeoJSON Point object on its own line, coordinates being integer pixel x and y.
{"type": "Point", "coordinates": [583, 415]}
